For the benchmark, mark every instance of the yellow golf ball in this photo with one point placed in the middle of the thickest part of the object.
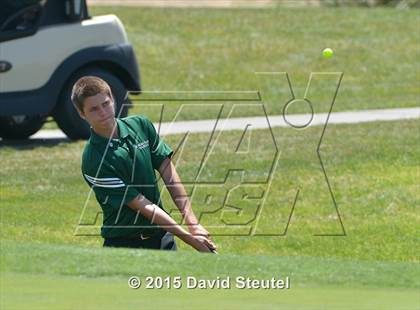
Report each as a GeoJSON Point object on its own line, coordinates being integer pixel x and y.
{"type": "Point", "coordinates": [327, 53]}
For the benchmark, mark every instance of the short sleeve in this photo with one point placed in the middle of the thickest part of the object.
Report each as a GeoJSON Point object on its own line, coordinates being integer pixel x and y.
{"type": "Point", "coordinates": [159, 150]}
{"type": "Point", "coordinates": [110, 186]}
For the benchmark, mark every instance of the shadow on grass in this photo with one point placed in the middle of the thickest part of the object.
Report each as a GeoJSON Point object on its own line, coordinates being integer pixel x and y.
{"type": "Point", "coordinates": [34, 143]}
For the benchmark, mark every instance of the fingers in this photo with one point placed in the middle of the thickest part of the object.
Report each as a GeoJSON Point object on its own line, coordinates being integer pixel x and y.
{"type": "Point", "coordinates": [207, 238]}
{"type": "Point", "coordinates": [209, 244]}
{"type": "Point", "coordinates": [199, 244]}
{"type": "Point", "coordinates": [205, 248]}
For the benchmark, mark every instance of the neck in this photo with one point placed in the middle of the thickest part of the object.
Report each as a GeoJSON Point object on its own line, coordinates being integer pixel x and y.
{"type": "Point", "coordinates": [108, 131]}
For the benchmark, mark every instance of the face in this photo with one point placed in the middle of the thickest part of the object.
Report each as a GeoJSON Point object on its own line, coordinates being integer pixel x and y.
{"type": "Point", "coordinates": [98, 111]}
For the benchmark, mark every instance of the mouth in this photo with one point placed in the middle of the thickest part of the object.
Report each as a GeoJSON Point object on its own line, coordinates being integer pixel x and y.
{"type": "Point", "coordinates": [107, 119]}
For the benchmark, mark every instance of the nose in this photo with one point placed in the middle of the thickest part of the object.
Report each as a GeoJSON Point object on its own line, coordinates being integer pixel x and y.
{"type": "Point", "coordinates": [102, 112]}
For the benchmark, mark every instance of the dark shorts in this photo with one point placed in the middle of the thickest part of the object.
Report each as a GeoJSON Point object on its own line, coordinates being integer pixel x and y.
{"type": "Point", "coordinates": [161, 241]}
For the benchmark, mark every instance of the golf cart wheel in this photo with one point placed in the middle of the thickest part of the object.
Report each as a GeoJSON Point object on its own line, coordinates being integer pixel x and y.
{"type": "Point", "coordinates": [20, 127]}
{"type": "Point", "coordinates": [65, 113]}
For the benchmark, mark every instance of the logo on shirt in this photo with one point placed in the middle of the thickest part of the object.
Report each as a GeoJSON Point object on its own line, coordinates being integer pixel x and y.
{"type": "Point", "coordinates": [142, 145]}
{"type": "Point", "coordinates": [143, 237]}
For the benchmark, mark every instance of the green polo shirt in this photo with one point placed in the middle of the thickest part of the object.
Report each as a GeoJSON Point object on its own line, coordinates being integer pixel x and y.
{"type": "Point", "coordinates": [118, 170]}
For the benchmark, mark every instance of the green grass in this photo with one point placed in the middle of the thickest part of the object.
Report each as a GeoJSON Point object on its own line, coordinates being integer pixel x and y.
{"type": "Point", "coordinates": [62, 277]}
{"type": "Point", "coordinates": [58, 292]}
{"type": "Point", "coordinates": [373, 170]}
{"type": "Point", "coordinates": [220, 49]}
{"type": "Point", "coordinates": [91, 262]}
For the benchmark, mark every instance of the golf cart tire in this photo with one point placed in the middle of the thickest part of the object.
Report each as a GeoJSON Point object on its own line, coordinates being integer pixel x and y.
{"type": "Point", "coordinates": [65, 113]}
{"type": "Point", "coordinates": [11, 128]}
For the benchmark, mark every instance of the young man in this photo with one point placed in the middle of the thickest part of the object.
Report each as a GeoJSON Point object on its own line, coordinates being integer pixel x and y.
{"type": "Point", "coordinates": [119, 163]}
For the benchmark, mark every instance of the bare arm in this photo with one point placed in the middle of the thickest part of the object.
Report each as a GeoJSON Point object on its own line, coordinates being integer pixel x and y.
{"type": "Point", "coordinates": [175, 187]}
{"type": "Point", "coordinates": [157, 216]}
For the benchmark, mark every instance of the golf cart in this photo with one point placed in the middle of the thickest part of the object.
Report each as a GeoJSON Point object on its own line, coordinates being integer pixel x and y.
{"type": "Point", "coordinates": [45, 46]}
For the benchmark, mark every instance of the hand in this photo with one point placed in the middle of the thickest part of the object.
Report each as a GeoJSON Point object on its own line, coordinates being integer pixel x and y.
{"type": "Point", "coordinates": [198, 230]}
{"type": "Point", "coordinates": [204, 244]}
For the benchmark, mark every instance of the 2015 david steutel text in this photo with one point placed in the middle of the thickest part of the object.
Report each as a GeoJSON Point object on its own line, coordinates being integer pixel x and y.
{"type": "Point", "coordinates": [191, 282]}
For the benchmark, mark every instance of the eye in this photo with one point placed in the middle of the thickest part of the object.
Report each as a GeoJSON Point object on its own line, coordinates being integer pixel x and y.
{"type": "Point", "coordinates": [106, 103]}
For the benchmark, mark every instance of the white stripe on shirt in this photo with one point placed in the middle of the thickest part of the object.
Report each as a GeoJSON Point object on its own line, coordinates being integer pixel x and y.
{"type": "Point", "coordinates": [105, 182]}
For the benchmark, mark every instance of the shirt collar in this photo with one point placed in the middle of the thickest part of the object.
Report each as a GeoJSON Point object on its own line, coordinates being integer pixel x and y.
{"type": "Point", "coordinates": [122, 129]}
{"type": "Point", "coordinates": [97, 139]}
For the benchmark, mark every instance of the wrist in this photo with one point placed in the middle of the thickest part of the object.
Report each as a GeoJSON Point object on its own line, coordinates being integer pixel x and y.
{"type": "Point", "coordinates": [190, 220]}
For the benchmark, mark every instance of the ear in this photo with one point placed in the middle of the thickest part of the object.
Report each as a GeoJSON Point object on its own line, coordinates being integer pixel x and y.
{"type": "Point", "coordinates": [81, 114]}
